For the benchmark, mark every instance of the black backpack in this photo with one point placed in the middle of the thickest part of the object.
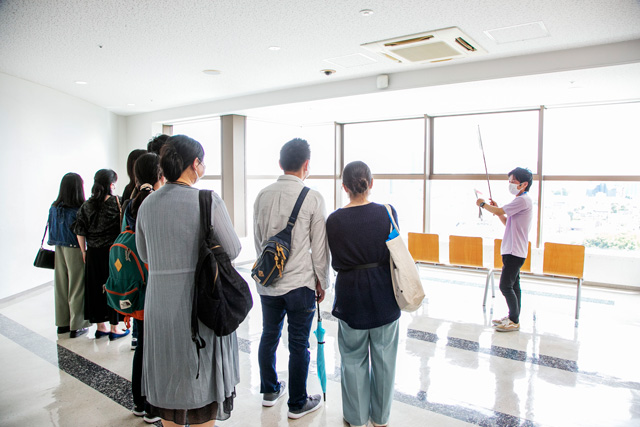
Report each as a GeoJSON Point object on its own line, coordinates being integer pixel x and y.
{"type": "Point", "coordinates": [221, 298]}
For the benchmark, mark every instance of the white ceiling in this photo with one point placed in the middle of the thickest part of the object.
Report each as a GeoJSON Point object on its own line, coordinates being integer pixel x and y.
{"type": "Point", "coordinates": [151, 53]}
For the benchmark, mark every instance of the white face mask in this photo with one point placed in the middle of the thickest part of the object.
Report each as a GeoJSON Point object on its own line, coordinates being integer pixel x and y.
{"type": "Point", "coordinates": [197, 176]}
{"type": "Point", "coordinates": [513, 188]}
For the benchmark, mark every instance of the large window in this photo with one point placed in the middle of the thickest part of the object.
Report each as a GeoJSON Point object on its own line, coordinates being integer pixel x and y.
{"type": "Point", "coordinates": [393, 147]}
{"type": "Point", "coordinates": [594, 140]}
{"type": "Point", "coordinates": [509, 140]}
{"type": "Point", "coordinates": [586, 187]}
{"type": "Point", "coordinates": [602, 216]}
{"type": "Point", "coordinates": [264, 140]}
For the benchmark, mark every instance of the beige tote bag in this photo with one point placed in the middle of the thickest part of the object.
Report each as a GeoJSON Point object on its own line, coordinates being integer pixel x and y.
{"type": "Point", "coordinates": [407, 285]}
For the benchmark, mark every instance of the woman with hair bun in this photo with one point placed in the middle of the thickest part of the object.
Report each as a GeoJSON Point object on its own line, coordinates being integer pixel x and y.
{"type": "Point", "coordinates": [168, 239]}
{"type": "Point", "coordinates": [97, 226]}
{"type": "Point", "coordinates": [364, 304]}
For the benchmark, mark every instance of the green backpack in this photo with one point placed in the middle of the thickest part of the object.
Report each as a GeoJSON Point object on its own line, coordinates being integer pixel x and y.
{"type": "Point", "coordinates": [128, 275]}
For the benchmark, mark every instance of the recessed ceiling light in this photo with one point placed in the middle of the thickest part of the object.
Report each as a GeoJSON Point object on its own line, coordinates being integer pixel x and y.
{"type": "Point", "coordinates": [211, 72]}
{"type": "Point", "coordinates": [131, 105]}
{"type": "Point", "coordinates": [366, 12]}
{"type": "Point", "coordinates": [274, 48]}
{"type": "Point", "coordinates": [80, 82]}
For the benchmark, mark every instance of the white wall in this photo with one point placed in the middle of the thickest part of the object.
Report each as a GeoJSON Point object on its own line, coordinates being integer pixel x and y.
{"type": "Point", "coordinates": [45, 134]}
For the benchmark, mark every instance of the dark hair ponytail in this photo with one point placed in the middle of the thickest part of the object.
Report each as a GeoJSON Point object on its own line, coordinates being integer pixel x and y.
{"type": "Point", "coordinates": [357, 177]}
{"type": "Point", "coordinates": [102, 185]}
{"type": "Point", "coordinates": [147, 172]}
{"type": "Point", "coordinates": [131, 161]}
{"type": "Point", "coordinates": [177, 154]}
{"type": "Point", "coordinates": [71, 192]}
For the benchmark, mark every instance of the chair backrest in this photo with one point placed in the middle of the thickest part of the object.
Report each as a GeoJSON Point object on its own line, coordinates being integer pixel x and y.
{"type": "Point", "coordinates": [497, 257]}
{"type": "Point", "coordinates": [466, 251]}
{"type": "Point", "coordinates": [563, 260]}
{"type": "Point", "coordinates": [424, 247]}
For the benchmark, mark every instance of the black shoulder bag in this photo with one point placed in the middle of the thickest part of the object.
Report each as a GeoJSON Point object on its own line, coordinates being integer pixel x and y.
{"type": "Point", "coordinates": [270, 265]}
{"type": "Point", "coordinates": [221, 298]}
{"type": "Point", "coordinates": [46, 258]}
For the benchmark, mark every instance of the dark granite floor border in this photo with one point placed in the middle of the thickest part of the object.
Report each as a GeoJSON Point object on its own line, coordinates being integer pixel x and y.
{"type": "Point", "coordinates": [93, 375]}
{"type": "Point", "coordinates": [118, 388]}
{"type": "Point", "coordinates": [509, 353]}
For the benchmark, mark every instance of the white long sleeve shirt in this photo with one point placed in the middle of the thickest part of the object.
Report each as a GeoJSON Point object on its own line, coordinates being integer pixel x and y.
{"type": "Point", "coordinates": [309, 256]}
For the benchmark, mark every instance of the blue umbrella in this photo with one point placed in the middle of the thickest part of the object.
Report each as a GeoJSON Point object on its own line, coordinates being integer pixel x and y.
{"type": "Point", "coordinates": [322, 372]}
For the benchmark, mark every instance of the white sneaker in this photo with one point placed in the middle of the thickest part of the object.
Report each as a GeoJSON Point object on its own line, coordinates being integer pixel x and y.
{"type": "Point", "coordinates": [507, 326]}
{"type": "Point", "coordinates": [498, 321]}
{"type": "Point", "coordinates": [150, 419]}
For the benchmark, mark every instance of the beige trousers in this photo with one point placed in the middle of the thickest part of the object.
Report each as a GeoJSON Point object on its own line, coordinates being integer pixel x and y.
{"type": "Point", "coordinates": [68, 284]}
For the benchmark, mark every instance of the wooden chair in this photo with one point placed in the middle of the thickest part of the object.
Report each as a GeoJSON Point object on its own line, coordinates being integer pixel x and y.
{"type": "Point", "coordinates": [465, 251]}
{"type": "Point", "coordinates": [424, 248]}
{"type": "Point", "coordinates": [497, 265]}
{"type": "Point", "coordinates": [565, 261]}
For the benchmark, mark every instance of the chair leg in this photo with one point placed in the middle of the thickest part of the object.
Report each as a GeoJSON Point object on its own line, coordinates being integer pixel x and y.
{"type": "Point", "coordinates": [578, 299]}
{"type": "Point", "coordinates": [493, 286]}
{"type": "Point", "coordinates": [486, 287]}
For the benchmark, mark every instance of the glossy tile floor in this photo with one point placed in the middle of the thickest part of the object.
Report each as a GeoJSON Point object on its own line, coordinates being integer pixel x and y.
{"type": "Point", "coordinates": [453, 369]}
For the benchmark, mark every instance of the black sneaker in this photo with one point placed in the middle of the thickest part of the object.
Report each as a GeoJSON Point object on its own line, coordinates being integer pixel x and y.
{"type": "Point", "coordinates": [63, 329]}
{"type": "Point", "coordinates": [78, 332]}
{"type": "Point", "coordinates": [269, 399]}
{"type": "Point", "coordinates": [313, 403]}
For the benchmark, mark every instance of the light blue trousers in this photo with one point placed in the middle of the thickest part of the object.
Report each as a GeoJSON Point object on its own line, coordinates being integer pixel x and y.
{"type": "Point", "coordinates": [368, 372]}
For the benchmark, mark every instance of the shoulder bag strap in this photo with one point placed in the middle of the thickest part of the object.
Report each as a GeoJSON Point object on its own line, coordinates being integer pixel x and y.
{"type": "Point", "coordinates": [205, 199]}
{"type": "Point", "coordinates": [119, 208]}
{"type": "Point", "coordinates": [44, 235]}
{"type": "Point", "coordinates": [296, 208]}
{"type": "Point", "coordinates": [393, 221]}
{"type": "Point", "coordinates": [123, 217]}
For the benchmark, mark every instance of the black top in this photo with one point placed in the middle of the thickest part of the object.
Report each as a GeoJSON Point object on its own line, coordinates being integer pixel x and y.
{"type": "Point", "coordinates": [357, 236]}
{"type": "Point", "coordinates": [100, 227]}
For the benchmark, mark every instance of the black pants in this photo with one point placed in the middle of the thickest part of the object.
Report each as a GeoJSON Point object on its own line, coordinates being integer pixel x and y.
{"type": "Point", "coordinates": [139, 399]}
{"type": "Point", "coordinates": [510, 285]}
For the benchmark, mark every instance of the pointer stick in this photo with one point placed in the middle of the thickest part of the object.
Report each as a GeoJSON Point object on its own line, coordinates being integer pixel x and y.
{"type": "Point", "coordinates": [485, 162]}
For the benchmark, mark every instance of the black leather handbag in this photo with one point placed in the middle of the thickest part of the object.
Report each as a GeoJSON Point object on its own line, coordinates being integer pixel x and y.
{"type": "Point", "coordinates": [46, 258]}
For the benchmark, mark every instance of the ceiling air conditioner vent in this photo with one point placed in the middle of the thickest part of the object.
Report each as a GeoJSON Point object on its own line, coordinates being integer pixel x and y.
{"type": "Point", "coordinates": [434, 46]}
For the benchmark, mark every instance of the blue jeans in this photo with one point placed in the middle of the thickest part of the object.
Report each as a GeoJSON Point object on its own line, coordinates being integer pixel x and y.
{"type": "Point", "coordinates": [299, 306]}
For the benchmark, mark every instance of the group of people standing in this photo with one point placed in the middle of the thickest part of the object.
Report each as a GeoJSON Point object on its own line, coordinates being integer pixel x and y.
{"type": "Point", "coordinates": [165, 381]}
{"type": "Point", "coordinates": [351, 240]}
